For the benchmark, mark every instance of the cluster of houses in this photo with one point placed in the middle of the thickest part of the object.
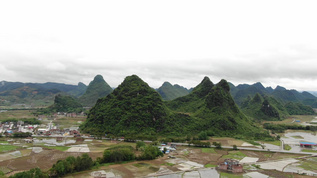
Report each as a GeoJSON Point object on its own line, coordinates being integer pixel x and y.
{"type": "Point", "coordinates": [9, 128]}
{"type": "Point", "coordinates": [167, 148]}
{"type": "Point", "coordinates": [66, 114]}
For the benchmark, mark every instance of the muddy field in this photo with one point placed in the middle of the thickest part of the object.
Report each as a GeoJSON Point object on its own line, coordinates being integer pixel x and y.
{"type": "Point", "coordinates": [166, 165]}
{"type": "Point", "coordinates": [44, 160]}
{"type": "Point", "coordinates": [186, 159]}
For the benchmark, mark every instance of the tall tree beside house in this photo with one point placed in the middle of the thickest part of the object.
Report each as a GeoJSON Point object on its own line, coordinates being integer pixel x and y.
{"type": "Point", "coordinates": [96, 89]}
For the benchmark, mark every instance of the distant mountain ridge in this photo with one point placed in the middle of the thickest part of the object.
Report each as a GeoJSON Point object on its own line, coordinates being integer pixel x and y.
{"type": "Point", "coordinates": [170, 92]}
{"type": "Point", "coordinates": [313, 92]}
{"type": "Point", "coordinates": [96, 89]}
{"type": "Point", "coordinates": [42, 94]}
{"type": "Point", "coordinates": [283, 95]}
{"type": "Point", "coordinates": [35, 94]}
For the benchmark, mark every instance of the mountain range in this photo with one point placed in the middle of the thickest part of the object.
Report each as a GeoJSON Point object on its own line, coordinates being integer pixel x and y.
{"type": "Point", "coordinates": [42, 94]}
{"type": "Point", "coordinates": [281, 94]}
{"type": "Point", "coordinates": [135, 108]}
{"type": "Point", "coordinates": [36, 94]}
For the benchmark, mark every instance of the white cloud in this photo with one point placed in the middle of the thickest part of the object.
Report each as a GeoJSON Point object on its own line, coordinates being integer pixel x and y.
{"type": "Point", "coordinates": [273, 42]}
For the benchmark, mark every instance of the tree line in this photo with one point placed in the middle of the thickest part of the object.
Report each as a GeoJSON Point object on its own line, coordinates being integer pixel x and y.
{"type": "Point", "coordinates": [282, 127]}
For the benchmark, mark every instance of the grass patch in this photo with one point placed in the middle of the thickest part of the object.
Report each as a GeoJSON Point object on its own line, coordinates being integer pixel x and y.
{"type": "Point", "coordinates": [60, 148]}
{"type": "Point", "coordinates": [168, 164]}
{"type": "Point", "coordinates": [268, 155]}
{"type": "Point", "coordinates": [5, 148]}
{"type": "Point", "coordinates": [3, 141]}
{"type": "Point", "coordinates": [253, 142]}
{"type": "Point", "coordinates": [123, 144]}
{"type": "Point", "coordinates": [229, 175]}
{"type": "Point", "coordinates": [186, 153]}
{"type": "Point", "coordinates": [287, 147]}
{"type": "Point", "coordinates": [210, 165]}
{"type": "Point", "coordinates": [109, 164]}
{"type": "Point", "coordinates": [309, 151]}
{"type": "Point", "coordinates": [235, 155]}
{"type": "Point", "coordinates": [138, 165]}
{"type": "Point", "coordinates": [308, 165]}
{"type": "Point", "coordinates": [208, 150]}
{"type": "Point", "coordinates": [298, 137]}
{"type": "Point", "coordinates": [276, 142]}
{"type": "Point", "coordinates": [5, 170]}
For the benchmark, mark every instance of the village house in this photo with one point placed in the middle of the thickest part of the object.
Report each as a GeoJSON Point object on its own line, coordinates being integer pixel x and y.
{"type": "Point", "coordinates": [231, 165]}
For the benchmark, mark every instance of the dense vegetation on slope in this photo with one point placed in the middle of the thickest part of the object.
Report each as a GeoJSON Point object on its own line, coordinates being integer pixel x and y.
{"type": "Point", "coordinates": [299, 109]}
{"type": "Point", "coordinates": [170, 92]}
{"type": "Point", "coordinates": [62, 103]}
{"type": "Point", "coordinates": [66, 104]}
{"type": "Point", "coordinates": [132, 107]}
{"type": "Point", "coordinates": [214, 111]}
{"type": "Point", "coordinates": [261, 108]}
{"type": "Point", "coordinates": [268, 108]}
{"type": "Point", "coordinates": [96, 89]}
{"type": "Point", "coordinates": [193, 101]}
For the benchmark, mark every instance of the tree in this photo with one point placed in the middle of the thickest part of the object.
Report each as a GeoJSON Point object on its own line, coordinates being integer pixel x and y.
{"type": "Point", "coordinates": [86, 161]}
{"type": "Point", "coordinates": [139, 144]}
{"type": "Point", "coordinates": [203, 136]}
{"type": "Point", "coordinates": [150, 152]}
{"type": "Point", "coordinates": [217, 145]}
{"type": "Point", "coordinates": [32, 173]}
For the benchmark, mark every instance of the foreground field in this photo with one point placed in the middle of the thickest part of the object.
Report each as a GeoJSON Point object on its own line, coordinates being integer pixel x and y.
{"type": "Point", "coordinates": [186, 160]}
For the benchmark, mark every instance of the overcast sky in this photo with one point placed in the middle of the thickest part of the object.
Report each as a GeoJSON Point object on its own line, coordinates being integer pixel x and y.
{"type": "Point", "coordinates": [273, 42]}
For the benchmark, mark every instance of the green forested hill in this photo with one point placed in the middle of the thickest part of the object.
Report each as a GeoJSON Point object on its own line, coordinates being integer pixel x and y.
{"type": "Point", "coordinates": [96, 89]}
{"type": "Point", "coordinates": [133, 107]}
{"type": "Point", "coordinates": [193, 101]}
{"type": "Point", "coordinates": [216, 109]}
{"type": "Point", "coordinates": [266, 108]}
{"type": "Point", "coordinates": [170, 92]}
{"type": "Point", "coordinates": [62, 103]}
{"type": "Point", "coordinates": [298, 109]}
{"type": "Point", "coordinates": [66, 104]}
